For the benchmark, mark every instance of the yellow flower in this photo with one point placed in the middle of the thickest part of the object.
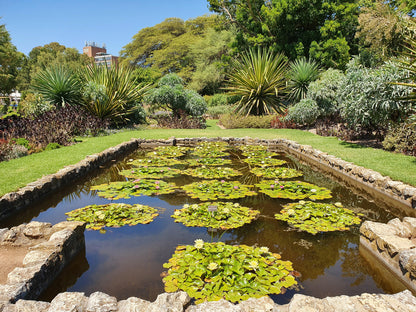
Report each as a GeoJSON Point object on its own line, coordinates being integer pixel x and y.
{"type": "Point", "coordinates": [212, 266]}
{"type": "Point", "coordinates": [338, 204]}
{"type": "Point", "coordinates": [199, 243]}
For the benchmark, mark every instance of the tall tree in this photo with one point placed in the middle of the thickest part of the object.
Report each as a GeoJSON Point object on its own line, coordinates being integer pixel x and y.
{"type": "Point", "coordinates": [10, 62]}
{"type": "Point", "coordinates": [293, 26]}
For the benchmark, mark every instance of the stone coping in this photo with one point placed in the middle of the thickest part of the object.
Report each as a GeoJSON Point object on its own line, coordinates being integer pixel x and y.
{"type": "Point", "coordinates": [180, 302]}
{"type": "Point", "coordinates": [50, 249]}
{"type": "Point", "coordinates": [397, 191]}
{"type": "Point", "coordinates": [394, 245]}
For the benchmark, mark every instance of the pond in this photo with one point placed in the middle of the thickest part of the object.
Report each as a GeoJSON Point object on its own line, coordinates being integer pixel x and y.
{"type": "Point", "coordinates": [128, 261]}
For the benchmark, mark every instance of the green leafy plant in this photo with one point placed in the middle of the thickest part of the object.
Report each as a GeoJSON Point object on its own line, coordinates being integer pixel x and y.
{"type": "Point", "coordinates": [259, 154]}
{"type": "Point", "coordinates": [259, 78]}
{"type": "Point", "coordinates": [208, 162]}
{"type": "Point", "coordinates": [168, 151]}
{"type": "Point", "coordinates": [213, 190]}
{"type": "Point", "coordinates": [113, 215]}
{"type": "Point", "coordinates": [125, 189]}
{"type": "Point", "coordinates": [52, 146]}
{"type": "Point", "coordinates": [293, 190]}
{"type": "Point", "coordinates": [264, 162]}
{"type": "Point", "coordinates": [276, 173]}
{"type": "Point", "coordinates": [58, 85]}
{"type": "Point", "coordinates": [318, 217]}
{"type": "Point", "coordinates": [214, 271]}
{"type": "Point", "coordinates": [305, 112]}
{"type": "Point", "coordinates": [212, 146]}
{"type": "Point", "coordinates": [252, 148]}
{"type": "Point", "coordinates": [156, 162]}
{"type": "Point", "coordinates": [301, 73]}
{"type": "Point", "coordinates": [235, 121]}
{"type": "Point", "coordinates": [150, 172]}
{"type": "Point", "coordinates": [212, 172]}
{"type": "Point", "coordinates": [217, 215]}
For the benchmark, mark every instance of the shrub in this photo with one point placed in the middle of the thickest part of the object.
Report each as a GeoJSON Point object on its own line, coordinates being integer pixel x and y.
{"type": "Point", "coordinates": [301, 73]}
{"type": "Point", "coordinates": [216, 111]}
{"type": "Point", "coordinates": [22, 142]}
{"type": "Point", "coordinates": [219, 99]}
{"type": "Point", "coordinates": [305, 112]}
{"type": "Point", "coordinates": [52, 146]}
{"type": "Point", "coordinates": [233, 121]}
{"type": "Point", "coordinates": [259, 79]}
{"type": "Point", "coordinates": [34, 105]}
{"type": "Point", "coordinates": [369, 100]}
{"type": "Point", "coordinates": [183, 121]}
{"type": "Point", "coordinates": [281, 122]}
{"type": "Point", "coordinates": [11, 151]}
{"type": "Point", "coordinates": [401, 138]}
{"type": "Point", "coordinates": [171, 94]}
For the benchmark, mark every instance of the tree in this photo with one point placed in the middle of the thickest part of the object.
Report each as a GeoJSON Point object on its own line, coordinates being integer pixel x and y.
{"type": "Point", "coordinates": [292, 26]}
{"type": "Point", "coordinates": [10, 62]}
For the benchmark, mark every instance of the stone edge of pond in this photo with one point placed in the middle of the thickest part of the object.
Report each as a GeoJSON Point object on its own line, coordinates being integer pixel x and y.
{"type": "Point", "coordinates": [50, 249]}
{"type": "Point", "coordinates": [180, 301]}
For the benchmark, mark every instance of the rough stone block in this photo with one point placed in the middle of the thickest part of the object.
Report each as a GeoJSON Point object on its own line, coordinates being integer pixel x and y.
{"type": "Point", "coordinates": [22, 275]}
{"type": "Point", "coordinates": [214, 306]}
{"type": "Point", "coordinates": [37, 229]}
{"type": "Point", "coordinates": [35, 257]}
{"type": "Point", "coordinates": [393, 244]}
{"type": "Point", "coordinates": [69, 302]}
{"type": "Point", "coordinates": [133, 304]}
{"type": "Point", "coordinates": [31, 306]}
{"type": "Point", "coordinates": [101, 302]}
{"type": "Point", "coordinates": [173, 302]}
{"type": "Point", "coordinates": [263, 304]}
{"type": "Point", "coordinates": [372, 230]}
{"type": "Point", "coordinates": [307, 304]}
{"type": "Point", "coordinates": [402, 229]}
{"type": "Point", "coordinates": [411, 223]}
{"type": "Point", "coordinates": [407, 260]}
{"type": "Point", "coordinates": [345, 304]}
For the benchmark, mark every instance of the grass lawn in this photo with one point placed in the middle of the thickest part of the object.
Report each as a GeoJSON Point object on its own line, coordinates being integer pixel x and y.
{"type": "Point", "coordinates": [19, 172]}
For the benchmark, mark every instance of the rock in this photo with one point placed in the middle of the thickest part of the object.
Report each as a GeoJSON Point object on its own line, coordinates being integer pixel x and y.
{"type": "Point", "coordinates": [345, 304]}
{"type": "Point", "coordinates": [302, 303]}
{"type": "Point", "coordinates": [407, 261]}
{"type": "Point", "coordinates": [2, 232]}
{"type": "Point", "coordinates": [37, 229]}
{"type": "Point", "coordinates": [10, 236]}
{"type": "Point", "coordinates": [61, 236]}
{"type": "Point", "coordinates": [22, 275]}
{"type": "Point", "coordinates": [31, 306]}
{"type": "Point", "coordinates": [393, 244]}
{"type": "Point", "coordinates": [214, 306]}
{"type": "Point", "coordinates": [263, 304]}
{"type": "Point", "coordinates": [133, 304]}
{"type": "Point", "coordinates": [402, 229]}
{"type": "Point", "coordinates": [69, 302]}
{"type": "Point", "coordinates": [101, 302]}
{"type": "Point", "coordinates": [170, 302]}
{"type": "Point", "coordinates": [372, 230]}
{"type": "Point", "coordinates": [411, 223]}
{"type": "Point", "coordinates": [11, 292]}
{"type": "Point", "coordinates": [36, 256]}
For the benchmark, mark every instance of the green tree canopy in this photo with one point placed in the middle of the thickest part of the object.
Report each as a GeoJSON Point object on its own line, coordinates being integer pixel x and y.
{"type": "Point", "coordinates": [10, 62]}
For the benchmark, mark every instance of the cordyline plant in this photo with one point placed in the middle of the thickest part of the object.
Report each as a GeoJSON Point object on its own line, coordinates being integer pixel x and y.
{"type": "Point", "coordinates": [259, 78]}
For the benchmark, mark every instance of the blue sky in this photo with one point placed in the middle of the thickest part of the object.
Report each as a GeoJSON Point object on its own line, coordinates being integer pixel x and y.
{"type": "Point", "coordinates": [32, 23]}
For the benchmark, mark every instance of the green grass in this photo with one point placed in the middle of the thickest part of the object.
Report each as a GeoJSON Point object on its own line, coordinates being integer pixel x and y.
{"type": "Point", "coordinates": [19, 172]}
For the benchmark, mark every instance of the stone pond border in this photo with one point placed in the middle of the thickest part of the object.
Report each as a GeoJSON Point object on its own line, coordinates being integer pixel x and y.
{"type": "Point", "coordinates": [367, 180]}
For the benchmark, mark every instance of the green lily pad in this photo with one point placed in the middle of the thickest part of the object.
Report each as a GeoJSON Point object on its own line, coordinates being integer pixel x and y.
{"type": "Point", "coordinates": [252, 148]}
{"type": "Point", "coordinates": [156, 162]}
{"type": "Point", "coordinates": [208, 162]}
{"type": "Point", "coordinates": [276, 172]}
{"type": "Point", "coordinates": [264, 162]}
{"type": "Point", "coordinates": [150, 172]}
{"type": "Point", "coordinates": [126, 189]}
{"type": "Point", "coordinates": [217, 215]}
{"type": "Point", "coordinates": [168, 151]}
{"type": "Point", "coordinates": [293, 190]}
{"type": "Point", "coordinates": [113, 215]}
{"type": "Point", "coordinates": [213, 190]}
{"type": "Point", "coordinates": [318, 217]}
{"type": "Point", "coordinates": [213, 271]}
{"type": "Point", "coordinates": [212, 172]}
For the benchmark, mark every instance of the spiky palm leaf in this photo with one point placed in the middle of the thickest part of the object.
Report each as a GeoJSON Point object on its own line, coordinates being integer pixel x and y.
{"type": "Point", "coordinates": [301, 73]}
{"type": "Point", "coordinates": [111, 92]}
{"type": "Point", "coordinates": [259, 78]}
{"type": "Point", "coordinates": [58, 85]}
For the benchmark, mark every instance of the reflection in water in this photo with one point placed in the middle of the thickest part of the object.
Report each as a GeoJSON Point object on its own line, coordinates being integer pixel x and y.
{"type": "Point", "coordinates": [128, 261]}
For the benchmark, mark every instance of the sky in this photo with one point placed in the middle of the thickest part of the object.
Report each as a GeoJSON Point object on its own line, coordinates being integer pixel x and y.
{"type": "Point", "coordinates": [33, 23]}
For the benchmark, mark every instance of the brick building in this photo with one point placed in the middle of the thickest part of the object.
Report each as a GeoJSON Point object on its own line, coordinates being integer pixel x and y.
{"type": "Point", "coordinates": [100, 55]}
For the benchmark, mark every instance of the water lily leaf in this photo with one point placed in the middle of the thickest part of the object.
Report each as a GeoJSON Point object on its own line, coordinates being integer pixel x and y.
{"type": "Point", "coordinates": [293, 190]}
{"type": "Point", "coordinates": [208, 162]}
{"type": "Point", "coordinates": [276, 172]}
{"type": "Point", "coordinates": [212, 172]}
{"type": "Point", "coordinates": [146, 172]}
{"type": "Point", "coordinates": [156, 162]}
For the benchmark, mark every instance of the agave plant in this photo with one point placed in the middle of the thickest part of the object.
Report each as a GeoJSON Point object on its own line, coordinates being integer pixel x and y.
{"type": "Point", "coordinates": [111, 92]}
{"type": "Point", "coordinates": [58, 85]}
{"type": "Point", "coordinates": [259, 78]}
{"type": "Point", "coordinates": [301, 73]}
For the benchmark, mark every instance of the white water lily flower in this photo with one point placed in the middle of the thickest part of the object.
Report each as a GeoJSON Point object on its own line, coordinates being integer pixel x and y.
{"type": "Point", "coordinates": [199, 243]}
{"type": "Point", "coordinates": [253, 264]}
{"type": "Point", "coordinates": [177, 213]}
{"type": "Point", "coordinates": [302, 202]}
{"type": "Point", "coordinates": [226, 210]}
{"type": "Point", "coordinates": [338, 204]}
{"type": "Point", "coordinates": [212, 266]}
{"type": "Point", "coordinates": [264, 249]}
{"type": "Point", "coordinates": [186, 206]}
{"type": "Point", "coordinates": [195, 206]}
{"type": "Point", "coordinates": [313, 190]}
{"type": "Point", "coordinates": [236, 205]}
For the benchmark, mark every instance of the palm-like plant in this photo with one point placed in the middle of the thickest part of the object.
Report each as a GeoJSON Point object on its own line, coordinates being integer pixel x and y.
{"type": "Point", "coordinates": [259, 78]}
{"type": "Point", "coordinates": [58, 85]}
{"type": "Point", "coordinates": [301, 73]}
{"type": "Point", "coordinates": [111, 92]}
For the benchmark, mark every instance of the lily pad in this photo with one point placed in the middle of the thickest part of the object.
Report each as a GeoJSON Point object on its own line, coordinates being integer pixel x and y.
{"type": "Point", "coordinates": [150, 172]}
{"type": "Point", "coordinates": [208, 162]}
{"type": "Point", "coordinates": [156, 162]}
{"type": "Point", "coordinates": [126, 189]}
{"type": "Point", "coordinates": [214, 271]}
{"type": "Point", "coordinates": [213, 190]}
{"type": "Point", "coordinates": [276, 172]}
{"type": "Point", "coordinates": [113, 215]}
{"type": "Point", "coordinates": [252, 148]}
{"type": "Point", "coordinates": [168, 151]}
{"type": "Point", "coordinates": [293, 190]}
{"type": "Point", "coordinates": [217, 215]}
{"type": "Point", "coordinates": [318, 217]}
{"type": "Point", "coordinates": [264, 161]}
{"type": "Point", "coordinates": [217, 146]}
{"type": "Point", "coordinates": [212, 172]}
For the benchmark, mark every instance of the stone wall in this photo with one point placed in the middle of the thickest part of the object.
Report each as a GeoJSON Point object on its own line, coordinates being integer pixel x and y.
{"type": "Point", "coordinates": [394, 245]}
{"type": "Point", "coordinates": [50, 249]}
{"type": "Point", "coordinates": [180, 302]}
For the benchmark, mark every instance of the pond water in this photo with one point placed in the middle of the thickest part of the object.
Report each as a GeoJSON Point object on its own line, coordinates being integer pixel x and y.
{"type": "Point", "coordinates": [128, 261]}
